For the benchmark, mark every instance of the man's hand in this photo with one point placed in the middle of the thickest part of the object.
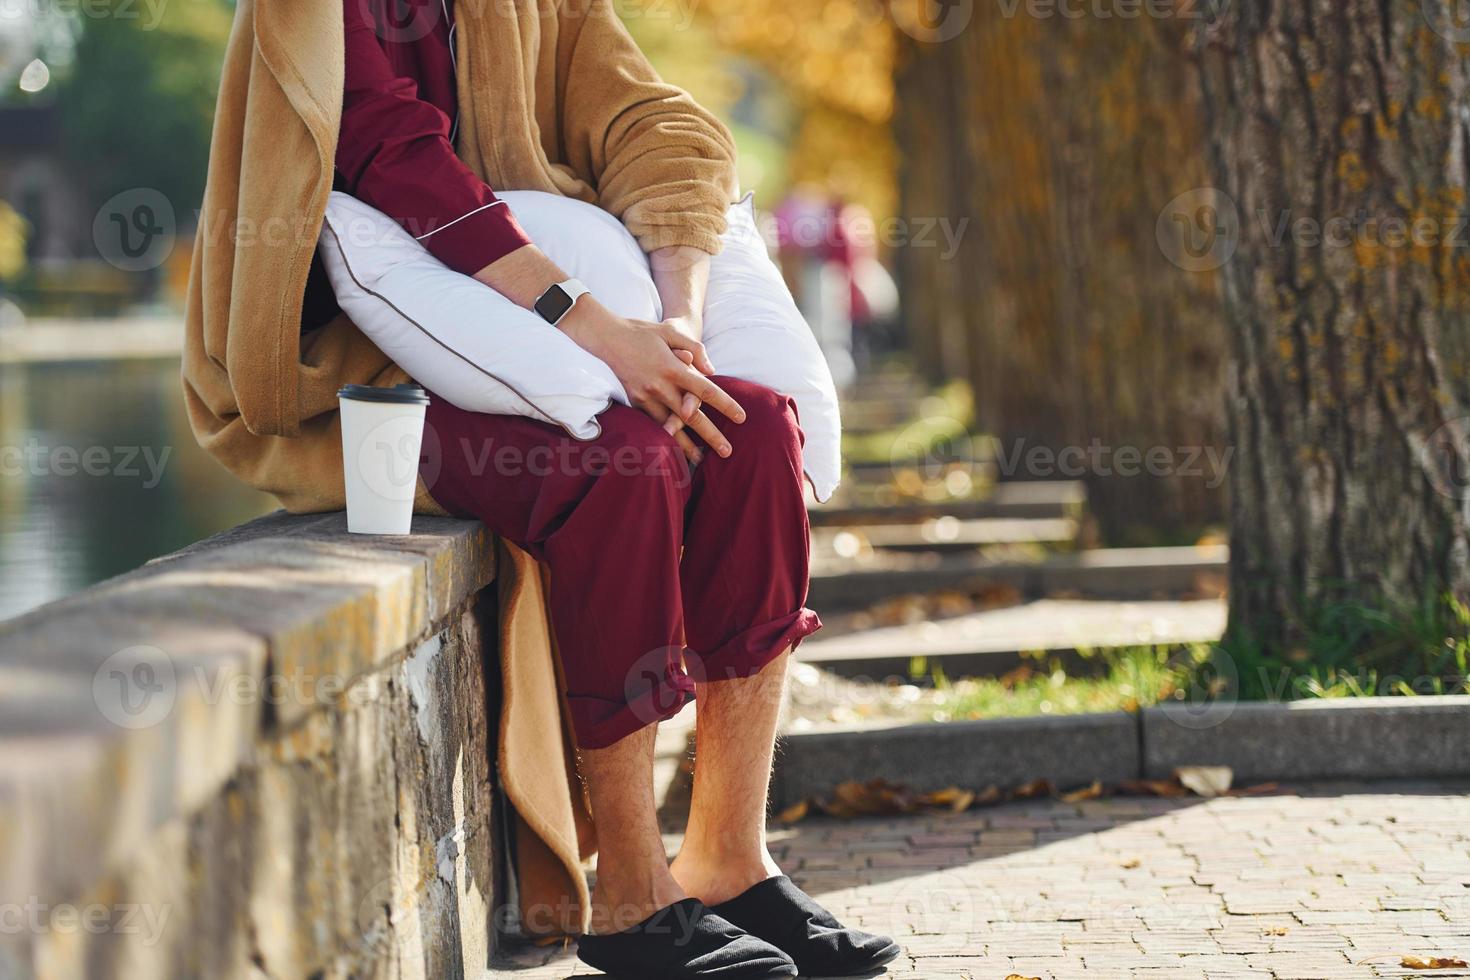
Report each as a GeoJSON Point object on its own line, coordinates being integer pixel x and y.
{"type": "Point", "coordinates": [691, 325]}
{"type": "Point", "coordinates": [661, 368]}
{"type": "Point", "coordinates": [664, 379]}
{"type": "Point", "coordinates": [681, 276]}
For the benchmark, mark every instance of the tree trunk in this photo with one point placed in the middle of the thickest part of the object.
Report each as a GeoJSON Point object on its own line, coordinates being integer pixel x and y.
{"type": "Point", "coordinates": [932, 173]}
{"type": "Point", "coordinates": [1059, 140]}
{"type": "Point", "coordinates": [1336, 126]}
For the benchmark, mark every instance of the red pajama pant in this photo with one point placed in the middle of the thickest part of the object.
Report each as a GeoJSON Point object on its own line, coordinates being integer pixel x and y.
{"type": "Point", "coordinates": [661, 574]}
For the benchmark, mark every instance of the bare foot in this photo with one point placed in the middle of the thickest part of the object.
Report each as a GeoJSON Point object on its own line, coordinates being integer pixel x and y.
{"type": "Point", "coordinates": [621, 902]}
{"type": "Point", "coordinates": [715, 880]}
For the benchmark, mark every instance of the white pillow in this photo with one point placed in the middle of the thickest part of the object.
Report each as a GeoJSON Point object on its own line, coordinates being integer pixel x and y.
{"type": "Point", "coordinates": [462, 340]}
{"type": "Point", "coordinates": [753, 330]}
{"type": "Point", "coordinates": [490, 355]}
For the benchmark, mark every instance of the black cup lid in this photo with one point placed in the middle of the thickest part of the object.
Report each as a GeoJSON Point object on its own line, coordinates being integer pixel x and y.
{"type": "Point", "coordinates": [405, 394]}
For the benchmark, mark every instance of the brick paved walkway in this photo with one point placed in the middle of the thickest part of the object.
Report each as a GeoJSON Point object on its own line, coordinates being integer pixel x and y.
{"type": "Point", "coordinates": [1324, 881]}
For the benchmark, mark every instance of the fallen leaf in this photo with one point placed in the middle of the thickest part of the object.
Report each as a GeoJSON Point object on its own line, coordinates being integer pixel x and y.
{"type": "Point", "coordinates": [1274, 931]}
{"type": "Point", "coordinates": [873, 798]}
{"type": "Point", "coordinates": [997, 595]}
{"type": "Point", "coordinates": [1206, 781]}
{"type": "Point", "coordinates": [952, 603]}
{"type": "Point", "coordinates": [989, 796]}
{"type": "Point", "coordinates": [795, 812]}
{"type": "Point", "coordinates": [1151, 787]}
{"type": "Point", "coordinates": [1085, 793]}
{"type": "Point", "coordinates": [1033, 789]}
{"type": "Point", "coordinates": [1016, 675]}
{"type": "Point", "coordinates": [837, 810]}
{"type": "Point", "coordinates": [903, 609]}
{"type": "Point", "coordinates": [954, 799]}
{"type": "Point", "coordinates": [1259, 789]}
{"type": "Point", "coordinates": [1017, 976]}
{"type": "Point", "coordinates": [1130, 863]}
{"type": "Point", "coordinates": [1431, 963]}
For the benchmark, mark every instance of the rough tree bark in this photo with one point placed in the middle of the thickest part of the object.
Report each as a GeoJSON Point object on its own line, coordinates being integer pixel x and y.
{"type": "Point", "coordinates": [1060, 139]}
{"type": "Point", "coordinates": [1339, 132]}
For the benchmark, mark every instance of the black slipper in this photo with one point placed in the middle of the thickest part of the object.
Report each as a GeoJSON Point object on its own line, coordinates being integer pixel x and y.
{"type": "Point", "coordinates": [786, 917]}
{"type": "Point", "coordinates": [685, 941]}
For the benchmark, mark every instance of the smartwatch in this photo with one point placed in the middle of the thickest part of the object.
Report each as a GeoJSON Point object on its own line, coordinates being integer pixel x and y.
{"type": "Point", "coordinates": [559, 299]}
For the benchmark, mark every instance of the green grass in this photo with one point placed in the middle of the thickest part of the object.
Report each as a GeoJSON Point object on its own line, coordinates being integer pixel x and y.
{"type": "Point", "coordinates": [1351, 649]}
{"type": "Point", "coordinates": [1130, 678]}
{"type": "Point", "coordinates": [941, 418]}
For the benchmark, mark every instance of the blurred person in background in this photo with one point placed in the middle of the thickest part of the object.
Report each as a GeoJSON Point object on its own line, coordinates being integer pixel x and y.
{"type": "Point", "coordinates": [815, 260]}
{"type": "Point", "coordinates": [873, 293]}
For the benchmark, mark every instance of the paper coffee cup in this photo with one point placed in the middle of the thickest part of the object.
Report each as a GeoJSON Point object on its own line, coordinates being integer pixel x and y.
{"type": "Point", "coordinates": [382, 430]}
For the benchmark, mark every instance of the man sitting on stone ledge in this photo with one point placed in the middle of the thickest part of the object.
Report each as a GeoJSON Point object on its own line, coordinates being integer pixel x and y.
{"type": "Point", "coordinates": [682, 576]}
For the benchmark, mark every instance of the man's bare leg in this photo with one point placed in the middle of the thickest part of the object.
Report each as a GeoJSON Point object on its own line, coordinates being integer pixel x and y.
{"type": "Point", "coordinates": [724, 850]}
{"type": "Point", "coordinates": [633, 878]}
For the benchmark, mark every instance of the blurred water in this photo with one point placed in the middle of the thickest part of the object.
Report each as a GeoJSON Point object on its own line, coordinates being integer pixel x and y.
{"type": "Point", "coordinates": [99, 473]}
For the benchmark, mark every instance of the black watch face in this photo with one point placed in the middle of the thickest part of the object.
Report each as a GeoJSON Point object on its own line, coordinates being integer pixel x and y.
{"type": "Point", "coordinates": [553, 304]}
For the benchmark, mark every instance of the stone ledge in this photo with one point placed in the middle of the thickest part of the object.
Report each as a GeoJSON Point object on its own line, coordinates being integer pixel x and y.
{"type": "Point", "coordinates": [1358, 738]}
{"type": "Point", "coordinates": [216, 646]}
{"type": "Point", "coordinates": [1066, 749]}
{"type": "Point", "coordinates": [1351, 738]}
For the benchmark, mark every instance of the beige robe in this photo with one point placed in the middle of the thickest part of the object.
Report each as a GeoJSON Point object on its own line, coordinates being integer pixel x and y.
{"type": "Point", "coordinates": [554, 96]}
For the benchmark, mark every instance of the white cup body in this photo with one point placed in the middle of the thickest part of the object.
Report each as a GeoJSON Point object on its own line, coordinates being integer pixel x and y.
{"type": "Point", "coordinates": [380, 464]}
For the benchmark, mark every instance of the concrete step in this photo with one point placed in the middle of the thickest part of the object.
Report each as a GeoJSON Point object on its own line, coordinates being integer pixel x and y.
{"type": "Point", "coordinates": [943, 534]}
{"type": "Point", "coordinates": [877, 414]}
{"type": "Point", "coordinates": [990, 642]}
{"type": "Point", "coordinates": [1108, 573]}
{"type": "Point", "coordinates": [1023, 499]}
{"type": "Point", "coordinates": [978, 458]}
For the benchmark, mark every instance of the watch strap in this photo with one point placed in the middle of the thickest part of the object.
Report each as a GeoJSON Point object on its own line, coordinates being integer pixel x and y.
{"type": "Point", "coordinates": [559, 299]}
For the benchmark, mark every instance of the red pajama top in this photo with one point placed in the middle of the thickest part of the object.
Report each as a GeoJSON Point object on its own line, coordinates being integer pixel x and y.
{"type": "Point", "coordinates": [396, 146]}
